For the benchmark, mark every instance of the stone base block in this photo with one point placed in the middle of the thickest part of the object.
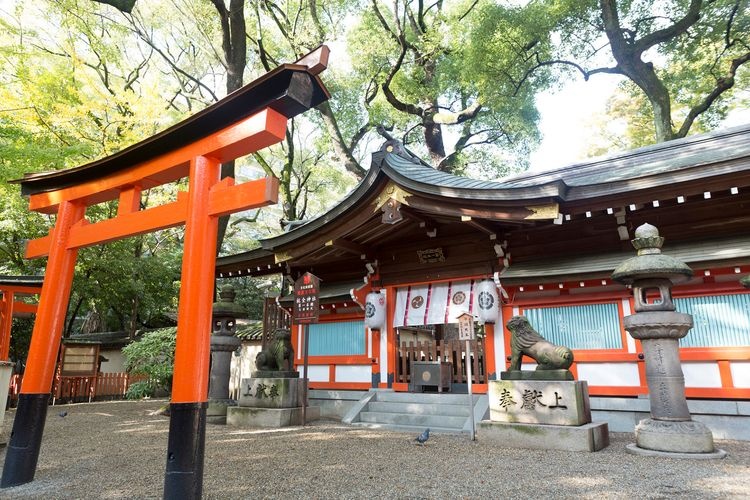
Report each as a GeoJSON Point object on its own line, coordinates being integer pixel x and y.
{"type": "Point", "coordinates": [282, 392]}
{"type": "Point", "coordinates": [685, 436]}
{"type": "Point", "coordinates": [216, 413]}
{"type": "Point", "coordinates": [551, 402]}
{"type": "Point", "coordinates": [588, 437]}
{"type": "Point", "coordinates": [242, 416]}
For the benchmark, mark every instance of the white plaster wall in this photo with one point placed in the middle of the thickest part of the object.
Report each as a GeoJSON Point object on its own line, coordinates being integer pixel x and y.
{"type": "Point", "coordinates": [315, 373]}
{"type": "Point", "coordinates": [242, 366]}
{"type": "Point", "coordinates": [611, 374]}
{"type": "Point", "coordinates": [354, 373]}
{"type": "Point", "coordinates": [384, 356]}
{"type": "Point", "coordinates": [627, 312]}
{"type": "Point", "coordinates": [740, 374]}
{"type": "Point", "coordinates": [115, 361]}
{"type": "Point", "coordinates": [701, 374]}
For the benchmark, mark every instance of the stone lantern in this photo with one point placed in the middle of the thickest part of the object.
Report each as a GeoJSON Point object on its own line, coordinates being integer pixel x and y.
{"type": "Point", "coordinates": [670, 431]}
{"type": "Point", "coordinates": [223, 344]}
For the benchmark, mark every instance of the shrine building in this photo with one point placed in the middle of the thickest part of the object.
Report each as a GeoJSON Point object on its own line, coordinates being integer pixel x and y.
{"type": "Point", "coordinates": [546, 244]}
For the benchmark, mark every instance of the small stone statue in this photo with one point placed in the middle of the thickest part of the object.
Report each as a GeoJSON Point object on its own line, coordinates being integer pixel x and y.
{"type": "Point", "coordinates": [278, 355]}
{"type": "Point", "coordinates": [525, 340]}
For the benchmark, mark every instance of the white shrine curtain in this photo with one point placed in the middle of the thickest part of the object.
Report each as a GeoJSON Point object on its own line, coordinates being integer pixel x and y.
{"type": "Point", "coordinates": [435, 303]}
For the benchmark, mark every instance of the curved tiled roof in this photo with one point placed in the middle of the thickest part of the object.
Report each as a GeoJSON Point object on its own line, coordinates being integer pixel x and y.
{"type": "Point", "coordinates": [696, 157]}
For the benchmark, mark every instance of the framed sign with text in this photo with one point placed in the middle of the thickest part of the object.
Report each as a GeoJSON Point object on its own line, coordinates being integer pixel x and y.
{"type": "Point", "coordinates": [306, 299]}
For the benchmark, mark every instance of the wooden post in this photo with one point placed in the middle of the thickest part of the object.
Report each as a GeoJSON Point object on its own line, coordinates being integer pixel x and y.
{"type": "Point", "coordinates": [306, 340]}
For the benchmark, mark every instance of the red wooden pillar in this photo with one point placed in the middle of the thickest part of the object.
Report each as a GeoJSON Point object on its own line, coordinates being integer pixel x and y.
{"type": "Point", "coordinates": [28, 426]}
{"type": "Point", "coordinates": [6, 322]}
{"type": "Point", "coordinates": [187, 427]}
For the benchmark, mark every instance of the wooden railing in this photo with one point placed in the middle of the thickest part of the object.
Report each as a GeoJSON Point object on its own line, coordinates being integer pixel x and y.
{"type": "Point", "coordinates": [452, 351]}
{"type": "Point", "coordinates": [104, 386]}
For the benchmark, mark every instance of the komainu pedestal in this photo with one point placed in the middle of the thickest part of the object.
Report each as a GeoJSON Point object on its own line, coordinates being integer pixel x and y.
{"type": "Point", "coordinates": [274, 395]}
{"type": "Point", "coordinates": [546, 415]}
{"type": "Point", "coordinates": [542, 409]}
{"type": "Point", "coordinates": [270, 402]}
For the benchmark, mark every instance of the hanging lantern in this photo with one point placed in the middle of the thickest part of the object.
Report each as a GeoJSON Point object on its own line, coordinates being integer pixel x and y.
{"type": "Point", "coordinates": [488, 302]}
{"type": "Point", "coordinates": [375, 310]}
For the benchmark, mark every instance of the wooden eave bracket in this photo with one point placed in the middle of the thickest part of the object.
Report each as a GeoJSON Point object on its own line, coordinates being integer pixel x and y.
{"type": "Point", "coordinates": [426, 223]}
{"type": "Point", "coordinates": [349, 247]}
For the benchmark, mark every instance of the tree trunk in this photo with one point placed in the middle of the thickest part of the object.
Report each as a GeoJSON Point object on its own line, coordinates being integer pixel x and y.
{"type": "Point", "coordinates": [234, 46]}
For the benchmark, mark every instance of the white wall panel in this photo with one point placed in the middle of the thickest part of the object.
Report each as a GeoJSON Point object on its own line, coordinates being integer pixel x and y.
{"type": "Point", "coordinates": [611, 374]}
{"type": "Point", "coordinates": [354, 373]}
{"type": "Point", "coordinates": [701, 374]}
{"type": "Point", "coordinates": [740, 373]}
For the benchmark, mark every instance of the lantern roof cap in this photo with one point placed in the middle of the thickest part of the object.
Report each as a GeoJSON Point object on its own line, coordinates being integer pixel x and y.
{"type": "Point", "coordinates": [650, 262]}
{"type": "Point", "coordinates": [226, 305]}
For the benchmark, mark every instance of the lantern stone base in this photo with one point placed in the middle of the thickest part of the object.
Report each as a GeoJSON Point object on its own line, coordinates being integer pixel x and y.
{"type": "Point", "coordinates": [588, 437]}
{"type": "Point", "coordinates": [216, 413]}
{"type": "Point", "coordinates": [636, 450]}
{"type": "Point", "coordinates": [668, 438]}
{"type": "Point", "coordinates": [243, 416]}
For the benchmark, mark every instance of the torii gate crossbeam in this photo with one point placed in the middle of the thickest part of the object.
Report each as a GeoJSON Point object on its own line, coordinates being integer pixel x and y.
{"type": "Point", "coordinates": [244, 122]}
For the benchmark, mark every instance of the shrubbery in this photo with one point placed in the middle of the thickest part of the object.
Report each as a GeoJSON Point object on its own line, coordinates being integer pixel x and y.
{"type": "Point", "coordinates": [152, 356]}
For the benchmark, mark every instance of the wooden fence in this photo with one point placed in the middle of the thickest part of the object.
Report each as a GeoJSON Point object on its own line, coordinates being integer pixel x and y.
{"type": "Point", "coordinates": [69, 389]}
{"type": "Point", "coordinates": [452, 351]}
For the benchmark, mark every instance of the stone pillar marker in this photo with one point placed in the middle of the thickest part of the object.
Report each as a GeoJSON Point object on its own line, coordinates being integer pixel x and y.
{"type": "Point", "coordinates": [670, 432]}
{"type": "Point", "coordinates": [223, 343]}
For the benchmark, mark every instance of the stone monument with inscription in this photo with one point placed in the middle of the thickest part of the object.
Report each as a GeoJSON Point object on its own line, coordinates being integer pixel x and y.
{"type": "Point", "coordinates": [541, 409]}
{"type": "Point", "coordinates": [670, 432]}
{"type": "Point", "coordinates": [273, 396]}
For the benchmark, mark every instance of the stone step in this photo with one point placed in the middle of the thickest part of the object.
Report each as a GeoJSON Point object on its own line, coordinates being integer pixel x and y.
{"type": "Point", "coordinates": [432, 398]}
{"type": "Point", "coordinates": [453, 410]}
{"type": "Point", "coordinates": [443, 421]}
{"type": "Point", "coordinates": [415, 430]}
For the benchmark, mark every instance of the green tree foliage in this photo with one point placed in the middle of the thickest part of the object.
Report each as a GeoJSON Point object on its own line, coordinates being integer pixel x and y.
{"type": "Point", "coordinates": [70, 95]}
{"type": "Point", "coordinates": [685, 56]}
{"type": "Point", "coordinates": [441, 75]}
{"type": "Point", "coordinates": [152, 356]}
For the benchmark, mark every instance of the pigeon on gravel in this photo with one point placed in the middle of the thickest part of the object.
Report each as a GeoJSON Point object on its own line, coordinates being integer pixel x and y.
{"type": "Point", "coordinates": [422, 438]}
{"type": "Point", "coordinates": [62, 414]}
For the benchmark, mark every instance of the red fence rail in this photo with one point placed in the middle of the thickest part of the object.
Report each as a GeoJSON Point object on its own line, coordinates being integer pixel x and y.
{"type": "Point", "coordinates": [69, 389]}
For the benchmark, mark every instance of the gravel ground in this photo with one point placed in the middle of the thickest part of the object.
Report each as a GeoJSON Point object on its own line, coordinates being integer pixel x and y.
{"type": "Point", "coordinates": [118, 450]}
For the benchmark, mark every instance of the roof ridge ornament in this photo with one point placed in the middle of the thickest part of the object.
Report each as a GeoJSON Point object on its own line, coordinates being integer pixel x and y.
{"type": "Point", "coordinates": [393, 145]}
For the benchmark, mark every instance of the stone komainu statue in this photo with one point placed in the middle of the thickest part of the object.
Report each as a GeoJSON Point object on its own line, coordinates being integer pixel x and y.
{"type": "Point", "coordinates": [278, 355]}
{"type": "Point", "coordinates": [525, 340]}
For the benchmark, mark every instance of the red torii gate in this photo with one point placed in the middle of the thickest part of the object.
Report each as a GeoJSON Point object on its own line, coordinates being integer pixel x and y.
{"type": "Point", "coordinates": [10, 286]}
{"type": "Point", "coordinates": [246, 121]}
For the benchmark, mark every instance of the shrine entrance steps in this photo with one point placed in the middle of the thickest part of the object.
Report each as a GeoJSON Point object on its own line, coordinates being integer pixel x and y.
{"type": "Point", "coordinates": [414, 412]}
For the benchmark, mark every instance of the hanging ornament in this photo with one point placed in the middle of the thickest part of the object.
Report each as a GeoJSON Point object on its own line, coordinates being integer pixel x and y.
{"type": "Point", "coordinates": [487, 300]}
{"type": "Point", "coordinates": [375, 310]}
